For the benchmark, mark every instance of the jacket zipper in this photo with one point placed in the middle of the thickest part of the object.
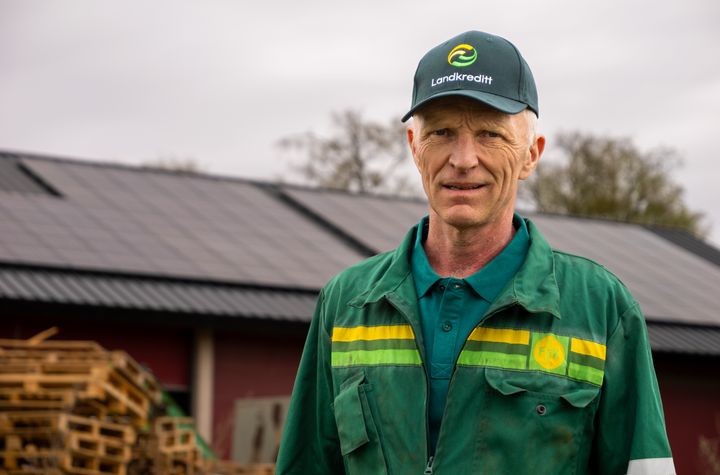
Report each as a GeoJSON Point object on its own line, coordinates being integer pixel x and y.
{"type": "Point", "coordinates": [429, 467]}
{"type": "Point", "coordinates": [421, 350]}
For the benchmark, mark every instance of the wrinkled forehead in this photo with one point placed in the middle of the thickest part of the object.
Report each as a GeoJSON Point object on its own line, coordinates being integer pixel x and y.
{"type": "Point", "coordinates": [459, 108]}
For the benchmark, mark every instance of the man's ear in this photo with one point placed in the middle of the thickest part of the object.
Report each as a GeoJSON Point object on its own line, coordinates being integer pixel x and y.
{"type": "Point", "coordinates": [411, 138]}
{"type": "Point", "coordinates": [533, 157]}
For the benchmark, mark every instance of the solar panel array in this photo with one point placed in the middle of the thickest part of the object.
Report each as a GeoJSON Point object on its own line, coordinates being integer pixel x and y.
{"type": "Point", "coordinates": [670, 283]}
{"type": "Point", "coordinates": [155, 223]}
{"type": "Point", "coordinates": [150, 222]}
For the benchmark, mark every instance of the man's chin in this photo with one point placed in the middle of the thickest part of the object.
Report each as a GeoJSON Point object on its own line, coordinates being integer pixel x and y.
{"type": "Point", "coordinates": [463, 218]}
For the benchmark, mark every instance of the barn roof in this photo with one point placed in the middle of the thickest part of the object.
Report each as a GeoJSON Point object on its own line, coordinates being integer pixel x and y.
{"type": "Point", "coordinates": [129, 237]}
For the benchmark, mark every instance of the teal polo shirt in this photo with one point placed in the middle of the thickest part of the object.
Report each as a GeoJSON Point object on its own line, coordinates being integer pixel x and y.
{"type": "Point", "coordinates": [450, 308]}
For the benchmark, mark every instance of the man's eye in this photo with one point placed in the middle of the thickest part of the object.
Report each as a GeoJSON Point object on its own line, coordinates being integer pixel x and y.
{"type": "Point", "coordinates": [491, 134]}
{"type": "Point", "coordinates": [440, 132]}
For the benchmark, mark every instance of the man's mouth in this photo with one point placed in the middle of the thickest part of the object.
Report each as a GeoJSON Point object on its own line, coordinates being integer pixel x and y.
{"type": "Point", "coordinates": [462, 186]}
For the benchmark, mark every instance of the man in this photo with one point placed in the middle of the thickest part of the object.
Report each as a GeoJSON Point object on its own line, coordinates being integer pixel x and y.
{"type": "Point", "coordinates": [474, 348]}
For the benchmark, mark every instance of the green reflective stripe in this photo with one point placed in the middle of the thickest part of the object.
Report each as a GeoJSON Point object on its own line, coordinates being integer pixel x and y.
{"type": "Point", "coordinates": [496, 347]}
{"type": "Point", "coordinates": [491, 358]}
{"type": "Point", "coordinates": [585, 373]}
{"type": "Point", "coordinates": [375, 357]}
{"type": "Point", "coordinates": [374, 345]}
{"type": "Point", "coordinates": [585, 360]}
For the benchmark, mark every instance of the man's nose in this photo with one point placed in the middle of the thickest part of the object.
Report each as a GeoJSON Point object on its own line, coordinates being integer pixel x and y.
{"type": "Point", "coordinates": [464, 154]}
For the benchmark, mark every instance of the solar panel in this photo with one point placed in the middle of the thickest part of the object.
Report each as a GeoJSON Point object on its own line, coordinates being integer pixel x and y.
{"type": "Point", "coordinates": [167, 224]}
{"type": "Point", "coordinates": [378, 222]}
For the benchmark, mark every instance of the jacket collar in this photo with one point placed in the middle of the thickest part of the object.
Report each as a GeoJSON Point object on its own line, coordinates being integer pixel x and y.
{"type": "Point", "coordinates": [398, 273]}
{"type": "Point", "coordinates": [534, 286]}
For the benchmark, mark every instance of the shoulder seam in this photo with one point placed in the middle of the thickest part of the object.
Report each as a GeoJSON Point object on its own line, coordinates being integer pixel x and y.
{"type": "Point", "coordinates": [592, 262]}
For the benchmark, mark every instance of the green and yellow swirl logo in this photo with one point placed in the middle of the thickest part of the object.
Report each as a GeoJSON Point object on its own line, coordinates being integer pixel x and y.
{"type": "Point", "coordinates": [462, 55]}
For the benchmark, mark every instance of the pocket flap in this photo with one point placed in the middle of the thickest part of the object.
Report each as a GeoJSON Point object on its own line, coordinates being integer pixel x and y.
{"type": "Point", "coordinates": [513, 383]}
{"type": "Point", "coordinates": [581, 397]}
{"type": "Point", "coordinates": [500, 383]}
{"type": "Point", "coordinates": [349, 416]}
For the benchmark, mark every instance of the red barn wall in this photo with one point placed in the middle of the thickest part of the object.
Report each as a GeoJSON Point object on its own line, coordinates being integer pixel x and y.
{"type": "Point", "coordinates": [250, 365]}
{"type": "Point", "coordinates": [167, 351]}
{"type": "Point", "coordinates": [690, 389]}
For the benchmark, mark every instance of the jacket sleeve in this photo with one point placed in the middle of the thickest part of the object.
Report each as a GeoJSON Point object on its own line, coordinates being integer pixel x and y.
{"type": "Point", "coordinates": [310, 442]}
{"type": "Point", "coordinates": [630, 426]}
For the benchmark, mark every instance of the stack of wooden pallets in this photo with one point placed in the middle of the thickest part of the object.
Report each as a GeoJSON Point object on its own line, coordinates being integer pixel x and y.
{"type": "Point", "coordinates": [56, 442]}
{"type": "Point", "coordinates": [80, 377]}
{"type": "Point", "coordinates": [70, 406]}
{"type": "Point", "coordinates": [73, 407]}
{"type": "Point", "coordinates": [170, 448]}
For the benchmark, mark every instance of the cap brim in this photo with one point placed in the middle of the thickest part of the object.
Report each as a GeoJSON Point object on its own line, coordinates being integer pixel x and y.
{"type": "Point", "coordinates": [500, 103]}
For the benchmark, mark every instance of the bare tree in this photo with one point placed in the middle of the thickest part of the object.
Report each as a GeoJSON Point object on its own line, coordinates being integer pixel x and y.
{"type": "Point", "coordinates": [610, 178]}
{"type": "Point", "coordinates": [175, 164]}
{"type": "Point", "coordinates": [361, 155]}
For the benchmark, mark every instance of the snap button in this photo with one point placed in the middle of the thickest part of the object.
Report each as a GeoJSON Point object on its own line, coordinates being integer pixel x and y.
{"type": "Point", "coordinates": [442, 287]}
{"type": "Point", "coordinates": [446, 326]}
{"type": "Point", "coordinates": [457, 286]}
{"type": "Point", "coordinates": [541, 409]}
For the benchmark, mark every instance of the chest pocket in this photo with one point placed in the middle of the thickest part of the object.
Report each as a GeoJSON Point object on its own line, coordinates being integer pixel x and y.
{"type": "Point", "coordinates": [359, 441]}
{"type": "Point", "coordinates": [537, 418]}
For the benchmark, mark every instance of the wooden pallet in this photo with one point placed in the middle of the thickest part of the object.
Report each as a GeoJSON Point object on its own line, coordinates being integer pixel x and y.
{"type": "Point", "coordinates": [28, 422]}
{"type": "Point", "coordinates": [93, 446]}
{"type": "Point", "coordinates": [38, 440]}
{"type": "Point", "coordinates": [57, 356]}
{"type": "Point", "coordinates": [38, 361]}
{"type": "Point", "coordinates": [120, 361]}
{"type": "Point", "coordinates": [174, 434]}
{"type": "Point", "coordinates": [142, 378]}
{"type": "Point", "coordinates": [76, 445]}
{"type": "Point", "coordinates": [169, 448]}
{"type": "Point", "coordinates": [31, 458]}
{"type": "Point", "coordinates": [34, 382]}
{"type": "Point", "coordinates": [20, 400]}
{"type": "Point", "coordinates": [99, 383]}
{"type": "Point", "coordinates": [80, 464]}
{"type": "Point", "coordinates": [79, 346]}
{"type": "Point", "coordinates": [185, 462]}
{"type": "Point", "coordinates": [97, 428]}
{"type": "Point", "coordinates": [63, 461]}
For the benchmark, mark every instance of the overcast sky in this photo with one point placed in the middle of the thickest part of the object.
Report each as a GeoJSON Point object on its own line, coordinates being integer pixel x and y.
{"type": "Point", "coordinates": [221, 81]}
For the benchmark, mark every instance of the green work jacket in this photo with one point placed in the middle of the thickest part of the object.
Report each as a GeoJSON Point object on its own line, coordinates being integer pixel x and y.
{"type": "Point", "coordinates": [556, 379]}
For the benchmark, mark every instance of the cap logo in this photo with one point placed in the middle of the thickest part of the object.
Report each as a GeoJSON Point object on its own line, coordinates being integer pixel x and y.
{"type": "Point", "coordinates": [462, 55]}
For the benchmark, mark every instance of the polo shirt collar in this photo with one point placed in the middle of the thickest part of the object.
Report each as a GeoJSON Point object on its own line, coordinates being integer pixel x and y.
{"type": "Point", "coordinates": [488, 281]}
{"type": "Point", "coordinates": [423, 274]}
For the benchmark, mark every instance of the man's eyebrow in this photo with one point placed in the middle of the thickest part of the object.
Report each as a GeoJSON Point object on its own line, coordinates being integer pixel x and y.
{"type": "Point", "coordinates": [433, 119]}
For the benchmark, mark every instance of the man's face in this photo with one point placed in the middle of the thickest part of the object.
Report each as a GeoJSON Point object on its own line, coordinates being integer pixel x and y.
{"type": "Point", "coordinates": [470, 158]}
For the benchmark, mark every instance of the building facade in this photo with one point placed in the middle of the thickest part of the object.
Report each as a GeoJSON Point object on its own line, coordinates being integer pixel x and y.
{"type": "Point", "coordinates": [210, 282]}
